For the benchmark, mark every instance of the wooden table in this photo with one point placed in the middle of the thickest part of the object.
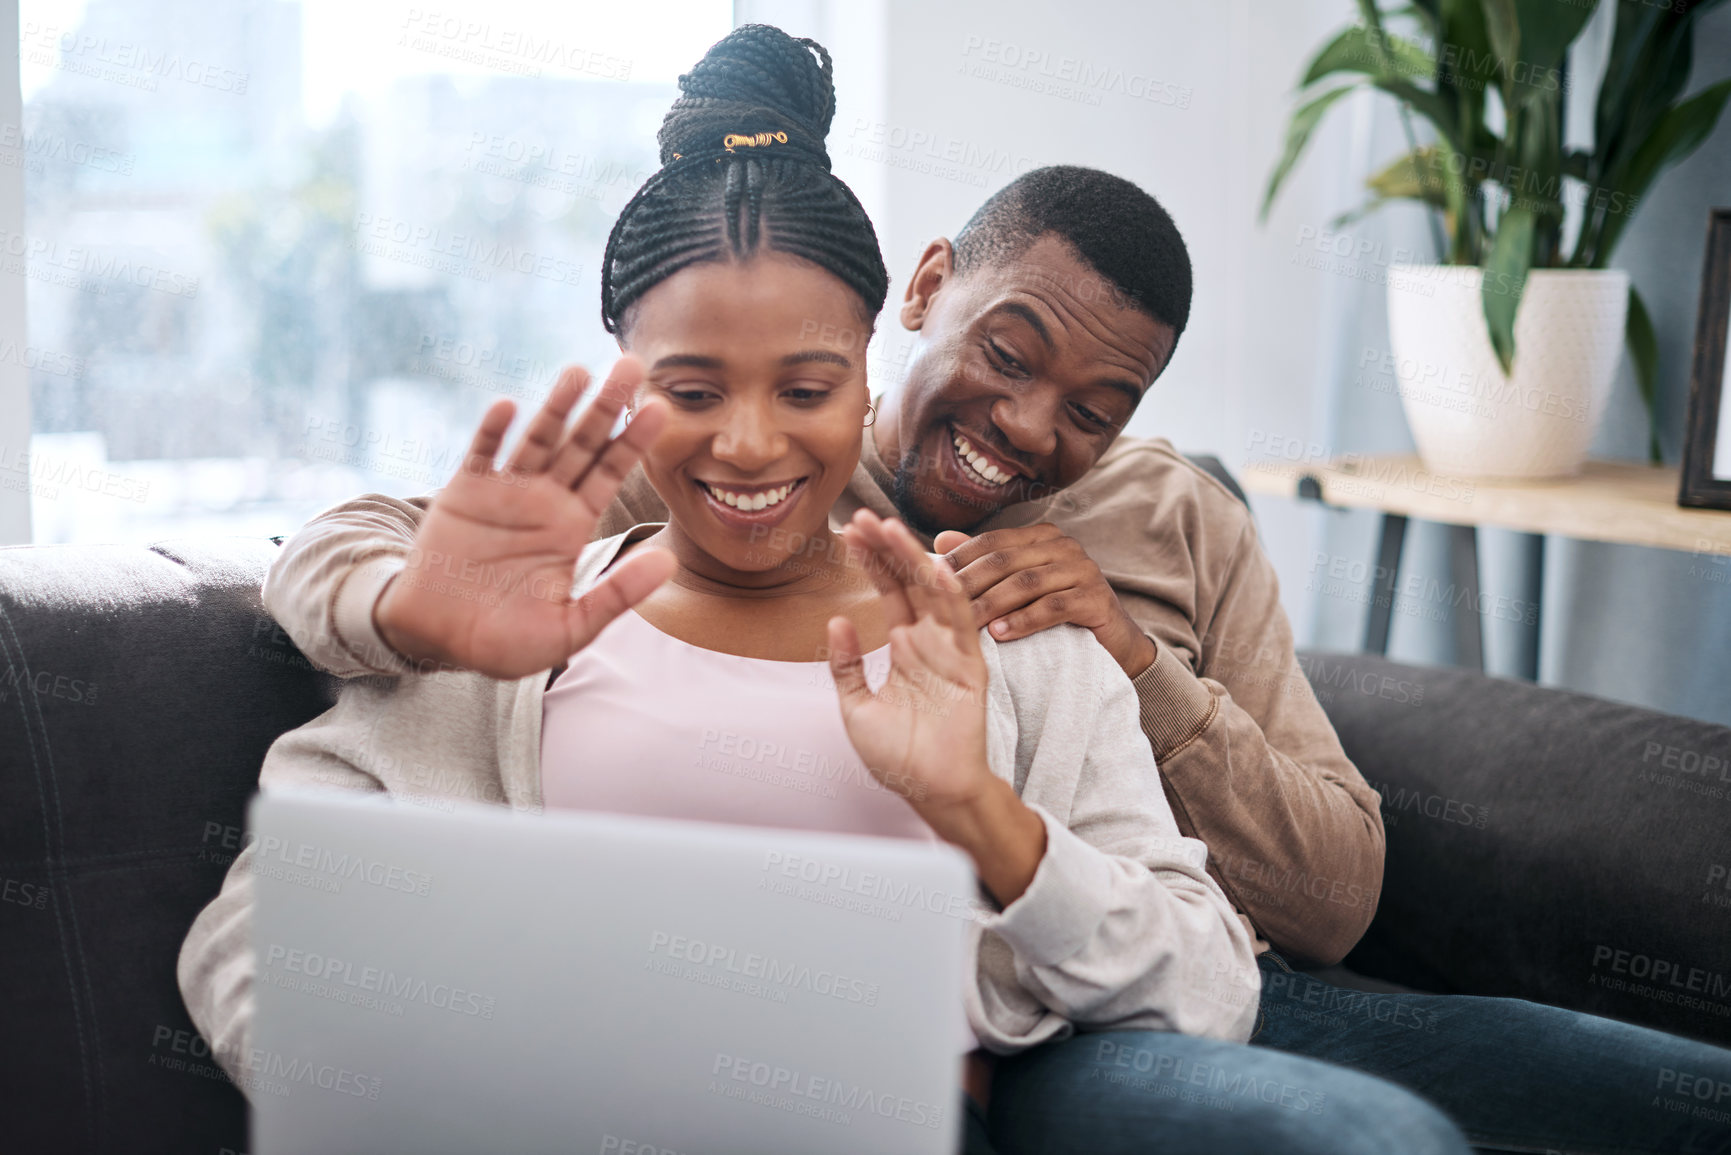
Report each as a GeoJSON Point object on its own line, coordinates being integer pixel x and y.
{"type": "Point", "coordinates": [1615, 501]}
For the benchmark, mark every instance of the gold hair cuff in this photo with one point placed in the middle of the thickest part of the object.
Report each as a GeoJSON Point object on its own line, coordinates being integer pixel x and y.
{"type": "Point", "coordinates": [759, 139]}
{"type": "Point", "coordinates": [743, 141]}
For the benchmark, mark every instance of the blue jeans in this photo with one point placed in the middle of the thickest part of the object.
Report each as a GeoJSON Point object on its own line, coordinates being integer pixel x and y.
{"type": "Point", "coordinates": [1157, 1093]}
{"type": "Point", "coordinates": [1332, 1070]}
{"type": "Point", "coordinates": [1514, 1075]}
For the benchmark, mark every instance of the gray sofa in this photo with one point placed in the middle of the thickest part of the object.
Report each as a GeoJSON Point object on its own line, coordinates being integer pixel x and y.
{"type": "Point", "coordinates": [1541, 844]}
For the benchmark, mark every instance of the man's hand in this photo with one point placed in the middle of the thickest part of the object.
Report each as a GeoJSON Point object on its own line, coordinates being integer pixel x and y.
{"type": "Point", "coordinates": [1030, 579]}
{"type": "Point", "coordinates": [488, 582]}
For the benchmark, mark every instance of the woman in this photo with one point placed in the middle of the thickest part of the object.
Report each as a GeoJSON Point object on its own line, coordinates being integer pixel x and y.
{"type": "Point", "coordinates": [746, 613]}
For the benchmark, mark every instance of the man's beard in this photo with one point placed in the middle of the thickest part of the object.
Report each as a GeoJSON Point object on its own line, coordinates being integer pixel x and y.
{"type": "Point", "coordinates": [905, 487]}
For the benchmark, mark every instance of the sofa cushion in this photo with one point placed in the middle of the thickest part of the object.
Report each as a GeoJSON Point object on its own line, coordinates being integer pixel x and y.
{"type": "Point", "coordinates": [1542, 844]}
{"type": "Point", "coordinates": [139, 690]}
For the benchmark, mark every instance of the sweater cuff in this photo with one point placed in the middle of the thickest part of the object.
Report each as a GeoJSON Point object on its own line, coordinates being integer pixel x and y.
{"type": "Point", "coordinates": [352, 615]}
{"type": "Point", "coordinates": [1174, 704]}
{"type": "Point", "coordinates": [1064, 904]}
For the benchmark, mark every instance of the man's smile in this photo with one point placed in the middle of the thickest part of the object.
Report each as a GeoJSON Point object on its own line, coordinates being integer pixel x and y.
{"type": "Point", "coordinates": [987, 468]}
{"type": "Point", "coordinates": [981, 478]}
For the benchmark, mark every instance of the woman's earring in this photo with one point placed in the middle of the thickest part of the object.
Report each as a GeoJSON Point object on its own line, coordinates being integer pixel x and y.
{"type": "Point", "coordinates": [871, 413]}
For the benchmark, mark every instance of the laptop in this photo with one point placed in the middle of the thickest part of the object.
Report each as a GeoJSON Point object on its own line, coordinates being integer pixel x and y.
{"type": "Point", "coordinates": [475, 979]}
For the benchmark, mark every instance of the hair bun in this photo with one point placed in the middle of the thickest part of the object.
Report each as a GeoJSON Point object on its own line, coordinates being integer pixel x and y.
{"type": "Point", "coordinates": [755, 79]}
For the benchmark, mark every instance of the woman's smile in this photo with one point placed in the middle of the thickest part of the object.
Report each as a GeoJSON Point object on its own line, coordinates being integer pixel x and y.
{"type": "Point", "coordinates": [751, 506]}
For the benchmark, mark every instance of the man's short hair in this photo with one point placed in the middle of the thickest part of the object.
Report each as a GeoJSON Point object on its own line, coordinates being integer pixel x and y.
{"type": "Point", "coordinates": [1116, 227]}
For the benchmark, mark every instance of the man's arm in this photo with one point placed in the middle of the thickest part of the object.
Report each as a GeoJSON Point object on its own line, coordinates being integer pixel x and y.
{"type": "Point", "coordinates": [1253, 767]}
{"type": "Point", "coordinates": [325, 583]}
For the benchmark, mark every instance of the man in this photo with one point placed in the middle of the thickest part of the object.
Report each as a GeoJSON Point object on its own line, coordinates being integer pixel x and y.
{"type": "Point", "coordinates": [1040, 330]}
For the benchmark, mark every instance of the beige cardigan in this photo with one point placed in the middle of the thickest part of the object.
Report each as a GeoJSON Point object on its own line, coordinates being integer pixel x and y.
{"type": "Point", "coordinates": [1120, 927]}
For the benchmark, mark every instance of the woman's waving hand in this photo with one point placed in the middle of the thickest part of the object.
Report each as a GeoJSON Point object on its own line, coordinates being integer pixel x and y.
{"type": "Point", "coordinates": [923, 733]}
{"type": "Point", "coordinates": [487, 585]}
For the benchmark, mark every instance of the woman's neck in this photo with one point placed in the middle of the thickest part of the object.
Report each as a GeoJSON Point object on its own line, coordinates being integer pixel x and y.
{"type": "Point", "coordinates": [781, 614]}
{"type": "Point", "coordinates": [819, 567]}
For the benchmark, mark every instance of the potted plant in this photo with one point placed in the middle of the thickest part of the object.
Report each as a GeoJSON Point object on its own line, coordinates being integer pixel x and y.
{"type": "Point", "coordinates": [1505, 353]}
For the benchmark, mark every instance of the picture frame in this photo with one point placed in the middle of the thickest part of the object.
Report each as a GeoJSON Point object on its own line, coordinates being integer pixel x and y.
{"type": "Point", "coordinates": [1706, 477]}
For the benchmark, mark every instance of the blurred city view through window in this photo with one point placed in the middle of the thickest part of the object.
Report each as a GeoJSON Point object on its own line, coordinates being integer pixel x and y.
{"type": "Point", "coordinates": [282, 253]}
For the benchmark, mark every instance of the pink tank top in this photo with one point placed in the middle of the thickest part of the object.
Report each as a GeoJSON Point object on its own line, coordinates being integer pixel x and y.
{"type": "Point", "coordinates": [643, 723]}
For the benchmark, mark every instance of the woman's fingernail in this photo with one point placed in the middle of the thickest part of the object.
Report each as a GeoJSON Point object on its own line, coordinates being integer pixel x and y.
{"type": "Point", "coordinates": [1000, 628]}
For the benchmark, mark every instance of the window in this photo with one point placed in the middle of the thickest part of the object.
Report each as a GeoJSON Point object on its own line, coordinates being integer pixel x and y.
{"type": "Point", "coordinates": [280, 253]}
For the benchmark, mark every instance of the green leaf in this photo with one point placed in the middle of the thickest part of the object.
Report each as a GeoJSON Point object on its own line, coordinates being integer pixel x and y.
{"type": "Point", "coordinates": [1417, 175]}
{"type": "Point", "coordinates": [1372, 17]}
{"type": "Point", "coordinates": [1679, 132]}
{"type": "Point", "coordinates": [1298, 131]}
{"type": "Point", "coordinates": [1646, 69]}
{"type": "Point", "coordinates": [1459, 199]}
{"type": "Point", "coordinates": [1503, 27]}
{"type": "Point", "coordinates": [1644, 352]}
{"type": "Point", "coordinates": [1373, 52]}
{"type": "Point", "coordinates": [1548, 27]}
{"type": "Point", "coordinates": [1463, 27]}
{"type": "Point", "coordinates": [1370, 14]}
{"type": "Point", "coordinates": [1682, 130]}
{"type": "Point", "coordinates": [1462, 45]}
{"type": "Point", "coordinates": [1530, 39]}
{"type": "Point", "coordinates": [1505, 279]}
{"type": "Point", "coordinates": [1536, 137]}
{"type": "Point", "coordinates": [1428, 12]}
{"type": "Point", "coordinates": [1420, 175]}
{"type": "Point", "coordinates": [1427, 104]}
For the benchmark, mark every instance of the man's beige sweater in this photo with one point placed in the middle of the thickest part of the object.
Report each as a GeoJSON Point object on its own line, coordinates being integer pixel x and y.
{"type": "Point", "coordinates": [1121, 925]}
{"type": "Point", "coordinates": [1248, 760]}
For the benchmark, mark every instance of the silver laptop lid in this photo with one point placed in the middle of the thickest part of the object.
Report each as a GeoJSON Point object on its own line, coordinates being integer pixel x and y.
{"type": "Point", "coordinates": [482, 980]}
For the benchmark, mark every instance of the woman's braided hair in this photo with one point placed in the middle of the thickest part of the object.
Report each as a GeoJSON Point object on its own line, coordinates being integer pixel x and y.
{"type": "Point", "coordinates": [707, 203]}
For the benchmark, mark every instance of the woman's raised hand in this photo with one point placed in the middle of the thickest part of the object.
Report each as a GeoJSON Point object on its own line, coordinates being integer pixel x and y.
{"type": "Point", "coordinates": [923, 733]}
{"type": "Point", "coordinates": [488, 582]}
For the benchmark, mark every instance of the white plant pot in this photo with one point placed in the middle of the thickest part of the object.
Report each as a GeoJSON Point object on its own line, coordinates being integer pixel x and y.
{"type": "Point", "coordinates": [1468, 418]}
